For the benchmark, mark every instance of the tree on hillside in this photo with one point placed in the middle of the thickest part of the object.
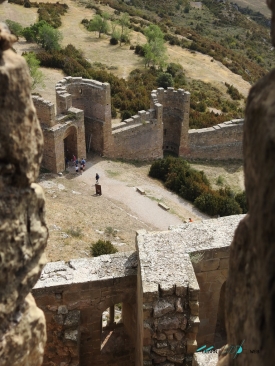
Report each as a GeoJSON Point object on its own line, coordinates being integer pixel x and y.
{"type": "Point", "coordinates": [124, 22]}
{"type": "Point", "coordinates": [44, 34]}
{"type": "Point", "coordinates": [99, 24]}
{"type": "Point", "coordinates": [155, 50]}
{"type": "Point", "coordinates": [49, 37]}
{"type": "Point", "coordinates": [36, 75]}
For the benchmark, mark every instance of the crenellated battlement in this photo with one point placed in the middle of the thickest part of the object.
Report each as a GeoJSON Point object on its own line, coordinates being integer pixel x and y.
{"type": "Point", "coordinates": [143, 136]}
{"type": "Point", "coordinates": [45, 111]}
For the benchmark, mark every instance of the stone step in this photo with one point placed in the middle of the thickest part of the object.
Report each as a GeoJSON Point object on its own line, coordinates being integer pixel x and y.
{"type": "Point", "coordinates": [140, 190]}
{"type": "Point", "coordinates": [162, 205]}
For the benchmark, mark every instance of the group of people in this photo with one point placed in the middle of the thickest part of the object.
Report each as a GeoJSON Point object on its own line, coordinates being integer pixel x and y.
{"type": "Point", "coordinates": [77, 162]}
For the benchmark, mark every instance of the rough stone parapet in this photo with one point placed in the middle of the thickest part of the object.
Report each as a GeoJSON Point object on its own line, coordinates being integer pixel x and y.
{"type": "Point", "coordinates": [205, 359]}
{"type": "Point", "coordinates": [227, 124]}
{"type": "Point", "coordinates": [78, 271]}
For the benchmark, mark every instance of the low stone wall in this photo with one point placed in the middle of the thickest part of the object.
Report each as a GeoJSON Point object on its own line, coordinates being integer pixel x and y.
{"type": "Point", "coordinates": [220, 142]}
{"type": "Point", "coordinates": [73, 297]}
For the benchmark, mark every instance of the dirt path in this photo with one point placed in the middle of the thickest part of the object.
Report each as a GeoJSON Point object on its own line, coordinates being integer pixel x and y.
{"type": "Point", "coordinates": [123, 189]}
{"type": "Point", "coordinates": [77, 218]}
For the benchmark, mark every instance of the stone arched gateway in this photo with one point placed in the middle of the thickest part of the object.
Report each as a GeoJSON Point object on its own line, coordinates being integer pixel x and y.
{"type": "Point", "coordinates": [70, 142]}
{"type": "Point", "coordinates": [64, 134]}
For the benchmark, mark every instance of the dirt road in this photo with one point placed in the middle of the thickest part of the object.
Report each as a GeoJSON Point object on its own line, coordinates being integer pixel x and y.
{"type": "Point", "coordinates": [77, 218]}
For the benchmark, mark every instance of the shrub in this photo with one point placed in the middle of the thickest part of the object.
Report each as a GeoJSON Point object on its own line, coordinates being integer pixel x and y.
{"type": "Point", "coordinates": [102, 247]}
{"type": "Point", "coordinates": [214, 204]}
{"type": "Point", "coordinates": [242, 201]}
{"type": "Point", "coordinates": [76, 233]}
{"type": "Point", "coordinates": [113, 111]}
{"type": "Point", "coordinates": [220, 180]}
{"type": "Point", "coordinates": [193, 185]}
{"type": "Point", "coordinates": [126, 114]}
{"type": "Point", "coordinates": [139, 50]}
{"type": "Point", "coordinates": [174, 69]}
{"type": "Point", "coordinates": [113, 41]}
{"type": "Point", "coordinates": [165, 80]}
{"type": "Point", "coordinates": [14, 27]}
{"type": "Point", "coordinates": [233, 92]}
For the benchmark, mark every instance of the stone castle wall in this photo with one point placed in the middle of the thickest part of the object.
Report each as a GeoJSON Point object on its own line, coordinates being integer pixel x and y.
{"type": "Point", "coordinates": [171, 299]}
{"type": "Point", "coordinates": [139, 137]}
{"type": "Point", "coordinates": [144, 136]}
{"type": "Point", "coordinates": [220, 142]}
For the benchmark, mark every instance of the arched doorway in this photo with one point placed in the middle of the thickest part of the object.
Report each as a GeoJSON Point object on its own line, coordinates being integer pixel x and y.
{"type": "Point", "coordinates": [220, 331]}
{"type": "Point", "coordinates": [70, 143]}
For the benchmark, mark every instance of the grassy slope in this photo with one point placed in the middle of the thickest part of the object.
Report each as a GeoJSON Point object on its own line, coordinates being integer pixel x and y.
{"type": "Point", "coordinates": [256, 5]}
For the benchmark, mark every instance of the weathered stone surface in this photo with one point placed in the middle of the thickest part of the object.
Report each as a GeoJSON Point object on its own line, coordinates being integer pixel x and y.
{"type": "Point", "coordinates": [163, 307]}
{"type": "Point", "coordinates": [205, 359]}
{"type": "Point", "coordinates": [161, 344]}
{"type": "Point", "coordinates": [158, 359]}
{"type": "Point", "coordinates": [168, 323]}
{"type": "Point", "coordinates": [62, 309]}
{"type": "Point", "coordinates": [178, 359]}
{"type": "Point", "coordinates": [179, 305]}
{"type": "Point", "coordinates": [250, 290]}
{"type": "Point", "coordinates": [23, 232]}
{"type": "Point", "coordinates": [72, 318]}
{"type": "Point", "coordinates": [71, 335]}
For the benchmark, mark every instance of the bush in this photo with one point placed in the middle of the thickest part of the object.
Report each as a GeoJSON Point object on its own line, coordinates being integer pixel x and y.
{"type": "Point", "coordinates": [242, 201]}
{"type": "Point", "coordinates": [193, 185]}
{"type": "Point", "coordinates": [174, 69]}
{"type": "Point", "coordinates": [165, 80]}
{"type": "Point", "coordinates": [102, 247]}
{"type": "Point", "coordinates": [126, 114]}
{"type": "Point", "coordinates": [113, 41]}
{"type": "Point", "coordinates": [113, 111]}
{"type": "Point", "coordinates": [233, 92]}
{"type": "Point", "coordinates": [139, 50]}
{"type": "Point", "coordinates": [14, 27]}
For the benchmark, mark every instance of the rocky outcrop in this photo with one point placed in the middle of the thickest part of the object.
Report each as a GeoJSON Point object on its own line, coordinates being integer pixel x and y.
{"type": "Point", "coordinates": [23, 232]}
{"type": "Point", "coordinates": [250, 304]}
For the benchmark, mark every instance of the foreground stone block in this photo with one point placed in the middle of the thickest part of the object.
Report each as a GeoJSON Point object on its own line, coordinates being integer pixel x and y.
{"type": "Point", "coordinates": [23, 232]}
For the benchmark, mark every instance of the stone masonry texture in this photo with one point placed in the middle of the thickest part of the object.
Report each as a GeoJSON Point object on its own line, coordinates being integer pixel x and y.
{"type": "Point", "coordinates": [170, 302]}
{"type": "Point", "coordinates": [250, 293]}
{"type": "Point", "coordinates": [23, 233]}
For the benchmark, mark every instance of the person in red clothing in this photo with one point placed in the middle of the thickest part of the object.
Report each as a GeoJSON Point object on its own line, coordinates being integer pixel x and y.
{"type": "Point", "coordinates": [190, 220]}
